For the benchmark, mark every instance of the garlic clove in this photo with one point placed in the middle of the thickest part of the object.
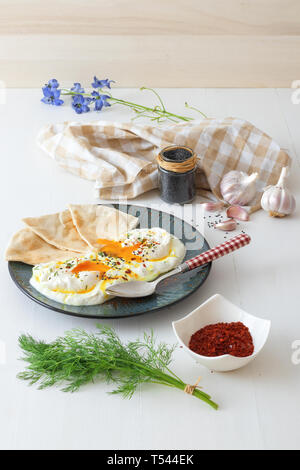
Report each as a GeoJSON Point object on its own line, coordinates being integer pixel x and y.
{"type": "Point", "coordinates": [226, 225]}
{"type": "Point", "coordinates": [285, 202]}
{"type": "Point", "coordinates": [238, 188]}
{"type": "Point", "coordinates": [237, 212]}
{"type": "Point", "coordinates": [213, 206]}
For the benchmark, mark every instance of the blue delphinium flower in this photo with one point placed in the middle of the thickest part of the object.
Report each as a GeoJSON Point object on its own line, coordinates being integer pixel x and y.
{"type": "Point", "coordinates": [101, 83]}
{"type": "Point", "coordinates": [100, 100]}
{"type": "Point", "coordinates": [77, 88]}
{"type": "Point", "coordinates": [80, 104]}
{"type": "Point", "coordinates": [53, 83]}
{"type": "Point", "coordinates": [51, 96]}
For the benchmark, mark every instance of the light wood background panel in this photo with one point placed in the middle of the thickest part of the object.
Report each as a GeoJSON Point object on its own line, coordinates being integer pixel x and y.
{"type": "Point", "coordinates": [196, 43]}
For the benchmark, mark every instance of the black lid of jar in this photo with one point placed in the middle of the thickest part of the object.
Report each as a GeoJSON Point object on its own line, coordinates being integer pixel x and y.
{"type": "Point", "coordinates": [176, 154]}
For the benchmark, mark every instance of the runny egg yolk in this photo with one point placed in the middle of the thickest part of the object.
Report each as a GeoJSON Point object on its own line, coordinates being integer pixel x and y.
{"type": "Point", "coordinates": [90, 266]}
{"type": "Point", "coordinates": [113, 248]}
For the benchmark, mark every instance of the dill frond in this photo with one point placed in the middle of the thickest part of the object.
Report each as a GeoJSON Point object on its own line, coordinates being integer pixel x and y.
{"type": "Point", "coordinates": [78, 358]}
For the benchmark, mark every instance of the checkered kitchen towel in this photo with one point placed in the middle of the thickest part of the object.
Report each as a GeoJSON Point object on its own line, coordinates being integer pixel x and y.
{"type": "Point", "coordinates": [120, 157]}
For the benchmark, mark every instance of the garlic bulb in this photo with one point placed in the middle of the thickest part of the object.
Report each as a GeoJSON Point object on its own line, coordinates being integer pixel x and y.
{"type": "Point", "coordinates": [238, 188]}
{"type": "Point", "coordinates": [278, 200]}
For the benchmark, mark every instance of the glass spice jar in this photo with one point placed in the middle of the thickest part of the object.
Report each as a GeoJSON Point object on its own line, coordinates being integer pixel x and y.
{"type": "Point", "coordinates": [176, 174]}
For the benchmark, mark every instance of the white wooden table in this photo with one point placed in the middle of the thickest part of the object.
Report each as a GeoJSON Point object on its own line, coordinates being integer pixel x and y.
{"type": "Point", "coordinates": [259, 405]}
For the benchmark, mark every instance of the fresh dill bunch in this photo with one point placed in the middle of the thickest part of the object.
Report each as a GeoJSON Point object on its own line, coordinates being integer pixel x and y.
{"type": "Point", "coordinates": [78, 358]}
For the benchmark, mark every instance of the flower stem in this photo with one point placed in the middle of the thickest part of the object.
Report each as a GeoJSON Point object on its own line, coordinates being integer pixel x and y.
{"type": "Point", "coordinates": [195, 109]}
{"type": "Point", "coordinates": [157, 112]}
{"type": "Point", "coordinates": [156, 94]}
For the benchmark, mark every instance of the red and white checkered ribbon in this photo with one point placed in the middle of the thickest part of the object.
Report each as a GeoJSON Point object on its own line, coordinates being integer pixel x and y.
{"type": "Point", "coordinates": [220, 250]}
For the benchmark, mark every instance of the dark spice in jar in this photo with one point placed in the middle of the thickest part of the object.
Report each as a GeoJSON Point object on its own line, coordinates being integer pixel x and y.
{"type": "Point", "coordinates": [177, 174]}
{"type": "Point", "coordinates": [223, 338]}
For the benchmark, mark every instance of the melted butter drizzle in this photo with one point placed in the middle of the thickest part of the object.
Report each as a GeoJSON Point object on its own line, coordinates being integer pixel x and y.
{"type": "Point", "coordinates": [90, 266]}
{"type": "Point", "coordinates": [113, 248]}
{"type": "Point", "coordinates": [84, 291]}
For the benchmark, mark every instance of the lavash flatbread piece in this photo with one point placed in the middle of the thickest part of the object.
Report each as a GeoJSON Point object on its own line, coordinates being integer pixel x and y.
{"type": "Point", "coordinates": [94, 221]}
{"type": "Point", "coordinates": [58, 230]}
{"type": "Point", "coordinates": [29, 248]}
{"type": "Point", "coordinates": [65, 235]}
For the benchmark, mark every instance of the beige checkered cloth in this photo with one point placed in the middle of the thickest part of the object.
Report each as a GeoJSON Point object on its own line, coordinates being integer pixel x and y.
{"type": "Point", "coordinates": [120, 157]}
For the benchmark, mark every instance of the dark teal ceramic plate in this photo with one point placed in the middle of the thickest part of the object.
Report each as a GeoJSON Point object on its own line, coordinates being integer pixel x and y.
{"type": "Point", "coordinates": [169, 291]}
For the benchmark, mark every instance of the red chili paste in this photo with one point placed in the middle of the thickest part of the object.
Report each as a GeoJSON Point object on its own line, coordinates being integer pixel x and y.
{"type": "Point", "coordinates": [223, 338]}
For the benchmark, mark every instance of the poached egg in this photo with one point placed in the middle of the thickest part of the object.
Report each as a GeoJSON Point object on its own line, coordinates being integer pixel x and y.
{"type": "Point", "coordinates": [140, 254]}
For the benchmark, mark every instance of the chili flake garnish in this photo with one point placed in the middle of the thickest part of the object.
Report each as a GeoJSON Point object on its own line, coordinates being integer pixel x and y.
{"type": "Point", "coordinates": [223, 338]}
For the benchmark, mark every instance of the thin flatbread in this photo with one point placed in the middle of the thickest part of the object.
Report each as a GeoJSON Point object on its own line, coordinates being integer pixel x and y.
{"type": "Point", "coordinates": [29, 248]}
{"type": "Point", "coordinates": [58, 230]}
{"type": "Point", "coordinates": [95, 221]}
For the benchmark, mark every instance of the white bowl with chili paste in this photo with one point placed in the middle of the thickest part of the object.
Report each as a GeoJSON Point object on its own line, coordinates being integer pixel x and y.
{"type": "Point", "coordinates": [215, 311]}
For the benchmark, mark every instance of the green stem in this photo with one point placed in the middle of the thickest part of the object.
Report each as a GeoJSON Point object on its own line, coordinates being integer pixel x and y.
{"type": "Point", "coordinates": [157, 112]}
{"type": "Point", "coordinates": [166, 379]}
{"type": "Point", "coordinates": [162, 113]}
{"type": "Point", "coordinates": [156, 94]}
{"type": "Point", "coordinates": [195, 109]}
{"type": "Point", "coordinates": [69, 93]}
{"type": "Point", "coordinates": [196, 393]}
